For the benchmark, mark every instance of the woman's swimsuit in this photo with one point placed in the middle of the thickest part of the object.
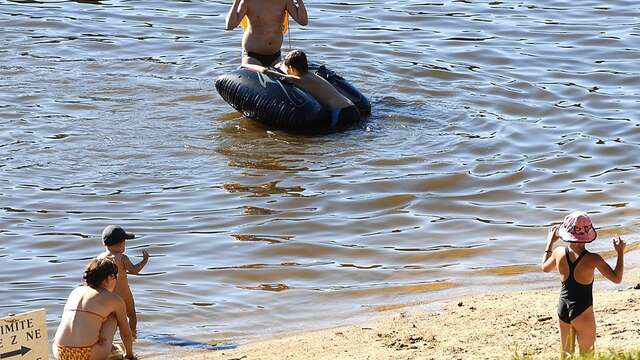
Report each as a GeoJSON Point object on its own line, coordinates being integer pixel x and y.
{"type": "Point", "coordinates": [575, 298]}
{"type": "Point", "coordinates": [88, 312]}
{"type": "Point", "coordinates": [74, 352]}
{"type": "Point", "coordinates": [78, 352]}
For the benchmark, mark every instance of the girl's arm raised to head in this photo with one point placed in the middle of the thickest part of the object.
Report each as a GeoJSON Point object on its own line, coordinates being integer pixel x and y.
{"type": "Point", "coordinates": [549, 261]}
{"type": "Point", "coordinates": [297, 11]}
{"type": "Point", "coordinates": [549, 257]}
{"type": "Point", "coordinates": [614, 275]}
{"type": "Point", "coordinates": [236, 13]}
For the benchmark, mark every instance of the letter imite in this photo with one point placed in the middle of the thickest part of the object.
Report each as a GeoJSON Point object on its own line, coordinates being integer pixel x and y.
{"type": "Point", "coordinates": [24, 336]}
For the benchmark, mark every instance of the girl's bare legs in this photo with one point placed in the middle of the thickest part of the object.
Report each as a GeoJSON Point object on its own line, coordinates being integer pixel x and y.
{"type": "Point", "coordinates": [107, 332]}
{"type": "Point", "coordinates": [567, 339]}
{"type": "Point", "coordinates": [585, 325]}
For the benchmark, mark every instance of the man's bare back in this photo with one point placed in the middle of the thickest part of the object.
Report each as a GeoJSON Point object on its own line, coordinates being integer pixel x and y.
{"type": "Point", "coordinates": [264, 34]}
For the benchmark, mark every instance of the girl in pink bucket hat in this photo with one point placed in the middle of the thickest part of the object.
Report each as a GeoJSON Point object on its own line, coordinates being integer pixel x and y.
{"type": "Point", "coordinates": [576, 266]}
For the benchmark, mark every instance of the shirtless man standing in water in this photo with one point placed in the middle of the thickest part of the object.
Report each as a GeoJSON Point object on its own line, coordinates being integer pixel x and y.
{"type": "Point", "coordinates": [263, 37]}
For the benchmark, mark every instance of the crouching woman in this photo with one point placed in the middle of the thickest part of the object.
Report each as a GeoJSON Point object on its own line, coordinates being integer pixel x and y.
{"type": "Point", "coordinates": [91, 315]}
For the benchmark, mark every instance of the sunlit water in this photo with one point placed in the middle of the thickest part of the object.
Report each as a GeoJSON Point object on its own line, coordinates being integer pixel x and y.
{"type": "Point", "coordinates": [491, 121]}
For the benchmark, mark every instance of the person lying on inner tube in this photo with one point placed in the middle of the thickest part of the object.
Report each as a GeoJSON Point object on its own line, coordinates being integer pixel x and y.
{"type": "Point", "coordinates": [265, 22]}
{"type": "Point", "coordinates": [343, 111]}
{"type": "Point", "coordinates": [295, 69]}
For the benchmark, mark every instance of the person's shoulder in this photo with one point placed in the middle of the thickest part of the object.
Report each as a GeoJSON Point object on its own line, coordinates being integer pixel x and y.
{"type": "Point", "coordinates": [118, 257]}
{"type": "Point", "coordinates": [78, 291]}
{"type": "Point", "coordinates": [106, 255]}
{"type": "Point", "coordinates": [113, 299]}
{"type": "Point", "coordinates": [315, 80]}
{"type": "Point", "coordinates": [593, 256]}
{"type": "Point", "coordinates": [81, 293]}
{"type": "Point", "coordinates": [312, 76]}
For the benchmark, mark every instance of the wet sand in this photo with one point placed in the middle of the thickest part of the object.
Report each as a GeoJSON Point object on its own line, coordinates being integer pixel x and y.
{"type": "Point", "coordinates": [490, 326]}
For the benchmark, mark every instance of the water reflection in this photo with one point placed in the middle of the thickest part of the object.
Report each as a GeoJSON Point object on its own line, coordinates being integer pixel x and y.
{"type": "Point", "coordinates": [262, 190]}
{"type": "Point", "coordinates": [265, 238]}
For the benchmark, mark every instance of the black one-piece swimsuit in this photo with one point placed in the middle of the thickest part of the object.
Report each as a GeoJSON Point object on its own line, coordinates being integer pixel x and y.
{"type": "Point", "coordinates": [575, 298]}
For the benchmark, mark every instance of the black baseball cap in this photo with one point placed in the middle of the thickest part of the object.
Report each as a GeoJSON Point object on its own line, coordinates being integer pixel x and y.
{"type": "Point", "coordinates": [114, 234]}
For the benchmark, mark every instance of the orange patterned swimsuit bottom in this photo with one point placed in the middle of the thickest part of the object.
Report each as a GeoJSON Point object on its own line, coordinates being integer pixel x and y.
{"type": "Point", "coordinates": [74, 353]}
{"type": "Point", "coordinates": [78, 352]}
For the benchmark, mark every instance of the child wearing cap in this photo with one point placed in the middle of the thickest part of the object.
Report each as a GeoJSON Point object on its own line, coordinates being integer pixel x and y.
{"type": "Point", "coordinates": [113, 238]}
{"type": "Point", "coordinates": [576, 266]}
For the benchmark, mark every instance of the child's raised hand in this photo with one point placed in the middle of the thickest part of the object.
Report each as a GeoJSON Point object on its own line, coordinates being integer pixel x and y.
{"type": "Point", "coordinates": [145, 255]}
{"type": "Point", "coordinates": [618, 244]}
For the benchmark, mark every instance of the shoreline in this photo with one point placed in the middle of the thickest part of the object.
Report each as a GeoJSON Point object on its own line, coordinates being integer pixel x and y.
{"type": "Point", "coordinates": [485, 326]}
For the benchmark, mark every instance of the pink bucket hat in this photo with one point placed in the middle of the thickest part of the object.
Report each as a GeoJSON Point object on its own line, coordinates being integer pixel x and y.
{"type": "Point", "coordinates": [577, 227]}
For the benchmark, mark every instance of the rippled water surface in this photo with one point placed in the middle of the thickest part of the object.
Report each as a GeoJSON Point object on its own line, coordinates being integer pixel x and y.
{"type": "Point", "coordinates": [491, 120]}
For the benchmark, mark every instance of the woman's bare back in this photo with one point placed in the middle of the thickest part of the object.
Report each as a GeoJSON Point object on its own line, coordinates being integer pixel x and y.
{"type": "Point", "coordinates": [86, 309]}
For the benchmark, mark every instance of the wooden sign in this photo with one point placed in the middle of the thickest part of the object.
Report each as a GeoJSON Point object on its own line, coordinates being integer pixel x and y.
{"type": "Point", "coordinates": [24, 336]}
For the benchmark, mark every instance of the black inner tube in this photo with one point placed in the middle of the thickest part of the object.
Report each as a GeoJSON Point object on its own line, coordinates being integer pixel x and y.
{"type": "Point", "coordinates": [277, 103]}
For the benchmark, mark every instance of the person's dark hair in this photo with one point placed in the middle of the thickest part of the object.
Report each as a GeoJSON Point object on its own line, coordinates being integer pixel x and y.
{"type": "Point", "coordinates": [98, 270]}
{"type": "Point", "coordinates": [297, 59]}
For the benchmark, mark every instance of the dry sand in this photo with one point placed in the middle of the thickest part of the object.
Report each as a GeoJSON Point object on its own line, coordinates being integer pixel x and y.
{"type": "Point", "coordinates": [492, 326]}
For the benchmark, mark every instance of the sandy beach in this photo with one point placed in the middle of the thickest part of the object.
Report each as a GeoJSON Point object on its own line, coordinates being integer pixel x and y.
{"type": "Point", "coordinates": [489, 326]}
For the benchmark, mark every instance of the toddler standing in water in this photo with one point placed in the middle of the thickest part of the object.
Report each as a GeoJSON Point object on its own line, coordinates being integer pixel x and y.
{"type": "Point", "coordinates": [576, 266]}
{"type": "Point", "coordinates": [113, 238]}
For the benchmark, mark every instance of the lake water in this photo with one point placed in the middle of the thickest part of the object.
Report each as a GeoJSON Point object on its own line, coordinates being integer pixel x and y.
{"type": "Point", "coordinates": [491, 121]}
